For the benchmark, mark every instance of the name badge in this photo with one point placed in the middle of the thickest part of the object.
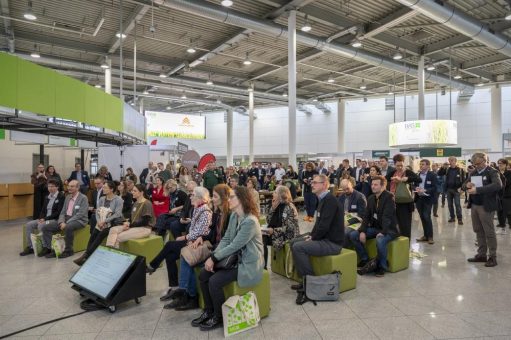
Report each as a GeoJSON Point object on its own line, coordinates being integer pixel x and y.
{"type": "Point", "coordinates": [77, 207]}
{"type": "Point", "coordinates": [484, 178]}
{"type": "Point", "coordinates": [135, 209]}
{"type": "Point", "coordinates": [428, 182]}
{"type": "Point", "coordinates": [375, 216]}
{"type": "Point", "coordinates": [317, 214]}
{"type": "Point", "coordinates": [458, 175]}
{"type": "Point", "coordinates": [284, 215]}
{"type": "Point", "coordinates": [354, 207]}
{"type": "Point", "coordinates": [56, 201]}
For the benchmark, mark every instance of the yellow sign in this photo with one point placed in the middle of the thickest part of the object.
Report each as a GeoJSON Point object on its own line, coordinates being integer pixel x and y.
{"type": "Point", "coordinates": [439, 152]}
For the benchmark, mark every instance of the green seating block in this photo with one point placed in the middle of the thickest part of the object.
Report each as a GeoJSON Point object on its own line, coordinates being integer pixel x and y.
{"type": "Point", "coordinates": [345, 262]}
{"type": "Point", "coordinates": [262, 220]}
{"type": "Point", "coordinates": [261, 290]}
{"type": "Point", "coordinates": [397, 253]}
{"type": "Point", "coordinates": [148, 247]}
{"type": "Point", "coordinates": [81, 238]}
{"type": "Point", "coordinates": [278, 262]}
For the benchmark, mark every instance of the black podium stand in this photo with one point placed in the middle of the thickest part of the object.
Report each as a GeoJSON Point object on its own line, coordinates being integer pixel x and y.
{"type": "Point", "coordinates": [131, 286]}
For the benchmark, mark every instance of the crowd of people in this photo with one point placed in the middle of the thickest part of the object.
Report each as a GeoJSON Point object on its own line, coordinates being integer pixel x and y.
{"type": "Point", "coordinates": [217, 211]}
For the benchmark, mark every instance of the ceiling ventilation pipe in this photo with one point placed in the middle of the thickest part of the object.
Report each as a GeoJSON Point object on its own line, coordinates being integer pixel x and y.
{"type": "Point", "coordinates": [231, 17]}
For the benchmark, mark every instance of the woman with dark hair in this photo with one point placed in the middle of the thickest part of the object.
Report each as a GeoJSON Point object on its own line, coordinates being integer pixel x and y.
{"type": "Point", "coordinates": [131, 175]}
{"type": "Point", "coordinates": [51, 173]}
{"type": "Point", "coordinates": [364, 186]}
{"type": "Point", "coordinates": [282, 221]}
{"type": "Point", "coordinates": [291, 173]}
{"type": "Point", "coordinates": [243, 237]}
{"type": "Point", "coordinates": [160, 198]}
{"type": "Point", "coordinates": [127, 198]}
{"type": "Point", "coordinates": [309, 197]}
{"type": "Point", "coordinates": [185, 297]}
{"type": "Point", "coordinates": [109, 201]}
{"type": "Point", "coordinates": [252, 188]}
{"type": "Point", "coordinates": [404, 205]}
{"type": "Point", "coordinates": [39, 179]}
{"type": "Point", "coordinates": [140, 223]}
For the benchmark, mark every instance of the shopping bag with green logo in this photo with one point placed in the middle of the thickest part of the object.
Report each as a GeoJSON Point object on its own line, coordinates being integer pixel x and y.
{"type": "Point", "coordinates": [37, 243]}
{"type": "Point", "coordinates": [240, 313]}
{"type": "Point", "coordinates": [58, 244]}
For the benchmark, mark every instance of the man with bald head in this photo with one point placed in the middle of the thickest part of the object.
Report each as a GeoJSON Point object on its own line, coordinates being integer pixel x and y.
{"type": "Point", "coordinates": [353, 203]}
{"type": "Point", "coordinates": [74, 215]}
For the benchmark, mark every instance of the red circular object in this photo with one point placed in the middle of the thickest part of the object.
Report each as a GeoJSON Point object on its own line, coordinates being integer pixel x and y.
{"type": "Point", "coordinates": [205, 160]}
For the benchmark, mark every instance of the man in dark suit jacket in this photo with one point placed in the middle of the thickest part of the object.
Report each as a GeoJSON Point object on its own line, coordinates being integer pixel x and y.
{"type": "Point", "coordinates": [49, 214]}
{"type": "Point", "coordinates": [424, 199]}
{"type": "Point", "coordinates": [82, 177]}
{"type": "Point", "coordinates": [145, 172]}
{"type": "Point", "coordinates": [258, 172]}
{"type": "Point", "coordinates": [93, 205]}
{"type": "Point", "coordinates": [379, 222]}
{"type": "Point", "coordinates": [483, 185]}
{"type": "Point", "coordinates": [326, 237]}
{"type": "Point", "coordinates": [385, 168]}
{"type": "Point", "coordinates": [354, 203]}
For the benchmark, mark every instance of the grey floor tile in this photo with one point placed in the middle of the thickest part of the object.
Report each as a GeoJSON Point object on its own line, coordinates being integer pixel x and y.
{"type": "Point", "coordinates": [334, 310]}
{"type": "Point", "coordinates": [416, 305]}
{"type": "Point", "coordinates": [344, 329]}
{"type": "Point", "coordinates": [370, 308]}
{"type": "Point", "coordinates": [396, 328]}
{"type": "Point", "coordinates": [179, 333]}
{"type": "Point", "coordinates": [19, 322]}
{"type": "Point", "coordinates": [491, 323]}
{"type": "Point", "coordinates": [135, 334]}
{"type": "Point", "coordinates": [92, 322]}
{"type": "Point", "coordinates": [70, 336]}
{"type": "Point", "coordinates": [255, 333]}
{"type": "Point", "coordinates": [447, 326]}
{"type": "Point", "coordinates": [290, 330]}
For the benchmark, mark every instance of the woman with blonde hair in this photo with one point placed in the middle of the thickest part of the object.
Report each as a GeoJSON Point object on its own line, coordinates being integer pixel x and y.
{"type": "Point", "coordinates": [282, 221]}
{"type": "Point", "coordinates": [252, 188]}
{"type": "Point", "coordinates": [183, 177]}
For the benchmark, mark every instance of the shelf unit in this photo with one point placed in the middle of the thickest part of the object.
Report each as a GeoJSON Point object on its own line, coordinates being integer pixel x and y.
{"type": "Point", "coordinates": [21, 200]}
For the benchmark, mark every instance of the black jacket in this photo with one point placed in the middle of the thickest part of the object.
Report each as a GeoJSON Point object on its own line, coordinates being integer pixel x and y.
{"type": "Point", "coordinates": [357, 203]}
{"type": "Point", "coordinates": [58, 204]}
{"type": "Point", "coordinates": [381, 215]}
{"type": "Point", "coordinates": [458, 182]}
{"type": "Point", "coordinates": [489, 191]}
{"type": "Point", "coordinates": [507, 184]}
{"type": "Point", "coordinates": [187, 210]}
{"type": "Point", "coordinates": [143, 175]}
{"type": "Point", "coordinates": [329, 221]}
{"type": "Point", "coordinates": [95, 198]}
{"type": "Point", "coordinates": [429, 187]}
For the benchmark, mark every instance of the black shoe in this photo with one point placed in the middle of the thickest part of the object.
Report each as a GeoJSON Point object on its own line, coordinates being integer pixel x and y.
{"type": "Point", "coordinates": [51, 255]}
{"type": "Point", "coordinates": [81, 260]}
{"type": "Point", "coordinates": [172, 294]}
{"type": "Point", "coordinates": [149, 270]}
{"type": "Point", "coordinates": [66, 253]}
{"type": "Point", "coordinates": [478, 258]}
{"type": "Point", "coordinates": [368, 268]}
{"type": "Point", "coordinates": [422, 239]}
{"type": "Point", "coordinates": [203, 317]}
{"type": "Point", "coordinates": [27, 251]}
{"type": "Point", "coordinates": [212, 323]}
{"type": "Point", "coordinates": [191, 303]}
{"type": "Point", "coordinates": [380, 272]}
{"type": "Point", "coordinates": [44, 252]}
{"type": "Point", "coordinates": [460, 222]}
{"type": "Point", "coordinates": [301, 298]}
{"type": "Point", "coordinates": [492, 262]}
{"type": "Point", "coordinates": [435, 215]}
{"type": "Point", "coordinates": [298, 286]}
{"type": "Point", "coordinates": [451, 220]}
{"type": "Point", "coordinates": [177, 301]}
{"type": "Point", "coordinates": [362, 264]}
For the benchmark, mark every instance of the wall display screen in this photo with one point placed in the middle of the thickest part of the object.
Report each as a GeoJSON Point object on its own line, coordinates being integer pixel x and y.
{"type": "Point", "coordinates": [172, 125]}
{"type": "Point", "coordinates": [423, 132]}
{"type": "Point", "coordinates": [103, 271]}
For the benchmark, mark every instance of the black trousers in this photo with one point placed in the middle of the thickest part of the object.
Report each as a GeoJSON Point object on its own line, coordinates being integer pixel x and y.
{"type": "Point", "coordinates": [212, 285]}
{"type": "Point", "coordinates": [92, 222]}
{"type": "Point", "coordinates": [170, 253]}
{"type": "Point", "coordinates": [266, 243]}
{"type": "Point", "coordinates": [163, 223]}
{"type": "Point", "coordinates": [96, 237]}
{"type": "Point", "coordinates": [404, 218]}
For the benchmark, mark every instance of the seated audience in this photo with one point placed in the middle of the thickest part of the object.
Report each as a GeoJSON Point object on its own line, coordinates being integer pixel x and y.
{"type": "Point", "coordinates": [282, 221]}
{"type": "Point", "coordinates": [179, 226]}
{"type": "Point", "coordinates": [127, 198]}
{"type": "Point", "coordinates": [103, 172]}
{"type": "Point", "coordinates": [131, 175]}
{"type": "Point", "coordinates": [73, 216]}
{"type": "Point", "coordinates": [252, 189]}
{"type": "Point", "coordinates": [183, 177]}
{"type": "Point", "coordinates": [379, 222]}
{"type": "Point", "coordinates": [327, 235]}
{"type": "Point", "coordinates": [291, 173]}
{"type": "Point", "coordinates": [96, 195]}
{"type": "Point", "coordinates": [353, 203]}
{"type": "Point", "coordinates": [109, 201]}
{"type": "Point", "coordinates": [310, 199]}
{"type": "Point", "coordinates": [81, 176]}
{"type": "Point", "coordinates": [160, 198]}
{"type": "Point", "coordinates": [48, 215]}
{"type": "Point", "coordinates": [243, 232]}
{"type": "Point", "coordinates": [140, 223]}
{"type": "Point", "coordinates": [290, 184]}
{"type": "Point", "coordinates": [177, 199]}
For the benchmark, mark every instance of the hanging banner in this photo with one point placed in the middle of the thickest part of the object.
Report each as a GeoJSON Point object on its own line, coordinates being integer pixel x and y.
{"type": "Point", "coordinates": [423, 132]}
{"type": "Point", "coordinates": [164, 125]}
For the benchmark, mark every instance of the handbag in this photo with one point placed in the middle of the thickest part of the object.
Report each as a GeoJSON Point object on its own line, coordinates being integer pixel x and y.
{"type": "Point", "coordinates": [229, 262]}
{"type": "Point", "coordinates": [320, 288]}
{"type": "Point", "coordinates": [403, 194]}
{"type": "Point", "coordinates": [194, 256]}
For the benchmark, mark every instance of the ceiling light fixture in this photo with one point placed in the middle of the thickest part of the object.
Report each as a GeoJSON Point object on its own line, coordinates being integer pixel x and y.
{"type": "Point", "coordinates": [145, 92]}
{"type": "Point", "coordinates": [331, 79]}
{"type": "Point", "coordinates": [284, 94]}
{"type": "Point", "coordinates": [168, 107]}
{"type": "Point", "coordinates": [356, 43]}
{"type": "Point", "coordinates": [306, 26]}
{"type": "Point", "coordinates": [104, 65]}
{"type": "Point", "coordinates": [397, 55]}
{"type": "Point", "coordinates": [226, 3]}
{"type": "Point", "coordinates": [430, 67]}
{"type": "Point", "coordinates": [183, 96]}
{"type": "Point", "coordinates": [508, 16]}
{"type": "Point", "coordinates": [191, 49]}
{"type": "Point", "coordinates": [98, 86]}
{"type": "Point", "coordinates": [247, 60]}
{"type": "Point", "coordinates": [35, 54]}
{"type": "Point", "coordinates": [315, 99]}
{"type": "Point", "coordinates": [209, 82]}
{"type": "Point", "coordinates": [458, 76]}
{"type": "Point", "coordinates": [119, 35]}
{"type": "Point", "coordinates": [29, 14]}
{"type": "Point", "coordinates": [363, 85]}
{"type": "Point", "coordinates": [480, 83]}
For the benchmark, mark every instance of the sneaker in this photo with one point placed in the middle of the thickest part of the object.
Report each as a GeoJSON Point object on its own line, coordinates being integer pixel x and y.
{"type": "Point", "coordinates": [362, 263]}
{"type": "Point", "coordinates": [149, 270]}
{"type": "Point", "coordinates": [298, 286]}
{"type": "Point", "coordinates": [173, 293]}
{"type": "Point", "coordinates": [191, 303]}
{"type": "Point", "coordinates": [178, 301]}
{"type": "Point", "coordinates": [81, 260]}
{"type": "Point", "coordinates": [27, 251]}
{"type": "Point", "coordinates": [431, 241]}
{"type": "Point", "coordinates": [460, 222]}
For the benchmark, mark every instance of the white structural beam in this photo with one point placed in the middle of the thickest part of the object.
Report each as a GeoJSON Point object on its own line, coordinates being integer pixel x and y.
{"type": "Point", "coordinates": [251, 124]}
{"type": "Point", "coordinates": [137, 15]}
{"type": "Point", "coordinates": [341, 126]}
{"type": "Point", "coordinates": [421, 88]}
{"type": "Point", "coordinates": [291, 47]}
{"type": "Point", "coordinates": [496, 118]}
{"type": "Point", "coordinates": [108, 76]}
{"type": "Point", "coordinates": [230, 160]}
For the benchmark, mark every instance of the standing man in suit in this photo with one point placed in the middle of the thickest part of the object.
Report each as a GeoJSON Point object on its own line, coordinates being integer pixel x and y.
{"type": "Point", "coordinates": [81, 176]}
{"type": "Point", "coordinates": [483, 185]}
{"type": "Point", "coordinates": [385, 168]}
{"type": "Point", "coordinates": [93, 205]}
{"type": "Point", "coordinates": [258, 172]}
{"type": "Point", "coordinates": [145, 173]}
{"type": "Point", "coordinates": [72, 217]}
{"type": "Point", "coordinates": [454, 178]}
{"type": "Point", "coordinates": [326, 237]}
{"type": "Point", "coordinates": [48, 215]}
{"type": "Point", "coordinates": [424, 199]}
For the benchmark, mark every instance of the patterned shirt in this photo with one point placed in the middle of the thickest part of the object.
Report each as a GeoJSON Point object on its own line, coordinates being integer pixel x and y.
{"type": "Point", "coordinates": [200, 222]}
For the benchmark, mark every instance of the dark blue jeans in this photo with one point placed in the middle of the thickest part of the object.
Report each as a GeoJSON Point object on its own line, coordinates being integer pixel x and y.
{"type": "Point", "coordinates": [381, 245]}
{"type": "Point", "coordinates": [424, 206]}
{"type": "Point", "coordinates": [311, 202]}
{"type": "Point", "coordinates": [163, 223]}
{"type": "Point", "coordinates": [187, 278]}
{"type": "Point", "coordinates": [453, 200]}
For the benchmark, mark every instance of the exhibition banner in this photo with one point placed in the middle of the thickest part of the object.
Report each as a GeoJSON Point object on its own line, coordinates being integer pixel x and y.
{"type": "Point", "coordinates": [423, 132]}
{"type": "Point", "coordinates": [173, 125]}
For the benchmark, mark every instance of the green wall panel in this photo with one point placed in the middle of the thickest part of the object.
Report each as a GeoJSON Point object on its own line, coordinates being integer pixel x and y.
{"type": "Point", "coordinates": [36, 88]}
{"type": "Point", "coordinates": [9, 80]}
{"type": "Point", "coordinates": [113, 113]}
{"type": "Point", "coordinates": [94, 107]}
{"type": "Point", "coordinates": [70, 99]}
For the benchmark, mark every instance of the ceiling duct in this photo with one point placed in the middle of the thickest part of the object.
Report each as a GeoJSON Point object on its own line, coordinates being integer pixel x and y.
{"type": "Point", "coordinates": [235, 18]}
{"type": "Point", "coordinates": [461, 22]}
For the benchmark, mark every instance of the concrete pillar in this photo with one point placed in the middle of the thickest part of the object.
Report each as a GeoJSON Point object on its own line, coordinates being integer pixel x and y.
{"type": "Point", "coordinates": [141, 107]}
{"type": "Point", "coordinates": [421, 88]}
{"type": "Point", "coordinates": [108, 76]}
{"type": "Point", "coordinates": [291, 50]}
{"type": "Point", "coordinates": [251, 124]}
{"type": "Point", "coordinates": [496, 118]}
{"type": "Point", "coordinates": [341, 126]}
{"type": "Point", "coordinates": [230, 161]}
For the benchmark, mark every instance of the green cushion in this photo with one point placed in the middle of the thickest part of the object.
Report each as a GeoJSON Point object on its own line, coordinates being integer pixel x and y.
{"type": "Point", "coordinates": [148, 247]}
{"type": "Point", "coordinates": [262, 292]}
{"type": "Point", "coordinates": [80, 241]}
{"type": "Point", "coordinates": [397, 253]}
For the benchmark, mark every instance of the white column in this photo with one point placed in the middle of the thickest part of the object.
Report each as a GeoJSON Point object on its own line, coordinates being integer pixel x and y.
{"type": "Point", "coordinates": [135, 67]}
{"type": "Point", "coordinates": [230, 161]}
{"type": "Point", "coordinates": [291, 50]}
{"type": "Point", "coordinates": [108, 76]}
{"type": "Point", "coordinates": [496, 118]}
{"type": "Point", "coordinates": [341, 126]}
{"type": "Point", "coordinates": [141, 108]}
{"type": "Point", "coordinates": [421, 85]}
{"type": "Point", "coordinates": [251, 124]}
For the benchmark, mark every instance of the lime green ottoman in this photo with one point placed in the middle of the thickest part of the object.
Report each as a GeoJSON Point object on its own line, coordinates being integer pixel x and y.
{"type": "Point", "coordinates": [278, 262]}
{"type": "Point", "coordinates": [398, 253]}
{"type": "Point", "coordinates": [148, 247]}
{"type": "Point", "coordinates": [80, 241]}
{"type": "Point", "coordinates": [262, 291]}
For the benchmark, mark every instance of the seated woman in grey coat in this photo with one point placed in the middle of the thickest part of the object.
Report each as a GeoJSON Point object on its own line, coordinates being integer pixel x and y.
{"type": "Point", "coordinates": [243, 234]}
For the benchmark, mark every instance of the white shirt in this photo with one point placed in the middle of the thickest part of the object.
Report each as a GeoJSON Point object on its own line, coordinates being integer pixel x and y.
{"type": "Point", "coordinates": [279, 173]}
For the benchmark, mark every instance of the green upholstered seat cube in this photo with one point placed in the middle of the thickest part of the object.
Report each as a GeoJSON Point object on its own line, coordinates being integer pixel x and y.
{"type": "Point", "coordinates": [345, 262]}
{"type": "Point", "coordinates": [80, 241]}
{"type": "Point", "coordinates": [262, 220]}
{"type": "Point", "coordinates": [398, 253]}
{"type": "Point", "coordinates": [261, 290]}
{"type": "Point", "coordinates": [148, 247]}
{"type": "Point", "coordinates": [278, 262]}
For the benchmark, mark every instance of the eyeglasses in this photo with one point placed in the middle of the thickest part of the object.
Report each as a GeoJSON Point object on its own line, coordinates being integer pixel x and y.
{"type": "Point", "coordinates": [315, 182]}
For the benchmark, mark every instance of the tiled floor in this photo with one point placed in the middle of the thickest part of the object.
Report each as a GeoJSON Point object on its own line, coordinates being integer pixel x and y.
{"type": "Point", "coordinates": [439, 297]}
